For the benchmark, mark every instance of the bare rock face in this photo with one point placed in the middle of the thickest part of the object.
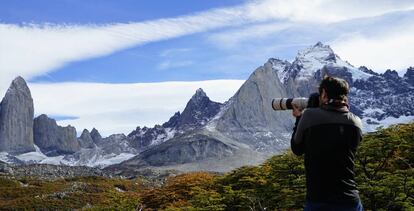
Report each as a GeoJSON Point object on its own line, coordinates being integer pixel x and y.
{"type": "Point", "coordinates": [85, 140]}
{"type": "Point", "coordinates": [198, 111]}
{"type": "Point", "coordinates": [96, 136]}
{"type": "Point", "coordinates": [249, 117]}
{"type": "Point", "coordinates": [16, 119]}
{"type": "Point", "coordinates": [53, 139]}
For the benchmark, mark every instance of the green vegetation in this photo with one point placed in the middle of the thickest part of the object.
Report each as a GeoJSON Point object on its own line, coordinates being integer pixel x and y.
{"type": "Point", "coordinates": [384, 167]}
{"type": "Point", "coordinates": [87, 192]}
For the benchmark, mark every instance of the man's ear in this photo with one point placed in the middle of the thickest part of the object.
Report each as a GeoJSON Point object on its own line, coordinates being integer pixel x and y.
{"type": "Point", "coordinates": [323, 93]}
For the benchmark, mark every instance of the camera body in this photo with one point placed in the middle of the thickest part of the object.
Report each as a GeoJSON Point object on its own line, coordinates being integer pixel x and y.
{"type": "Point", "coordinates": [300, 102]}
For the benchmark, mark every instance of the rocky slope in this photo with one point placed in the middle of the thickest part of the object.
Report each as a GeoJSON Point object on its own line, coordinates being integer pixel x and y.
{"type": "Point", "coordinates": [48, 172]}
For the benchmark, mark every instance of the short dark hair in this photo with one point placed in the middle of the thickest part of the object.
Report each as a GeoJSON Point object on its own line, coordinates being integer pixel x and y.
{"type": "Point", "coordinates": [335, 88]}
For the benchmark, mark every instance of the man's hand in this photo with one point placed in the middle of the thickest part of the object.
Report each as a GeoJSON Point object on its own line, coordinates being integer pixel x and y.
{"type": "Point", "coordinates": [296, 112]}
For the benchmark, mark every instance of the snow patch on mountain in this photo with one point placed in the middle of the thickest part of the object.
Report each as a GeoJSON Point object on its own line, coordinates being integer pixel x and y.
{"type": "Point", "coordinates": [169, 134]}
{"type": "Point", "coordinates": [373, 112]}
{"type": "Point", "coordinates": [98, 158]}
{"type": "Point", "coordinates": [371, 124]}
{"type": "Point", "coordinates": [357, 74]}
{"type": "Point", "coordinates": [104, 161]}
{"type": "Point", "coordinates": [36, 156]}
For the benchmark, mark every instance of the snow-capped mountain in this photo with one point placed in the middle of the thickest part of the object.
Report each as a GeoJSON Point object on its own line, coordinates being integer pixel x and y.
{"type": "Point", "coordinates": [384, 99]}
{"type": "Point", "coordinates": [313, 59]}
{"type": "Point", "coordinates": [247, 130]}
{"type": "Point", "coordinates": [379, 99]}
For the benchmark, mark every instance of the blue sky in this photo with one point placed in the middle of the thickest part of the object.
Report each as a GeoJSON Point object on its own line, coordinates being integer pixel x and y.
{"type": "Point", "coordinates": [101, 11]}
{"type": "Point", "coordinates": [135, 64]}
{"type": "Point", "coordinates": [91, 42]}
{"type": "Point", "coordinates": [228, 50]}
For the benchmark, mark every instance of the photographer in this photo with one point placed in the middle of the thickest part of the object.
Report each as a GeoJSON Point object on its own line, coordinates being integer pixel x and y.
{"type": "Point", "coordinates": [328, 136]}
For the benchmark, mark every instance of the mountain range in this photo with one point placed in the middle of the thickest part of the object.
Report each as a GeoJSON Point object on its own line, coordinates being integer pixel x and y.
{"type": "Point", "coordinates": [207, 135]}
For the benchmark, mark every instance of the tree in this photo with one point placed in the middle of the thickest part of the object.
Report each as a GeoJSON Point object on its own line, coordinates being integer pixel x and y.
{"type": "Point", "coordinates": [384, 168]}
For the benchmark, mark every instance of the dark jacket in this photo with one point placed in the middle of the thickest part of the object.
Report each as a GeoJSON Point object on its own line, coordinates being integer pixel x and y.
{"type": "Point", "coordinates": [329, 138]}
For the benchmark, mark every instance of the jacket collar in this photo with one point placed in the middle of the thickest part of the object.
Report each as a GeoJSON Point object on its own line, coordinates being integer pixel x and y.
{"type": "Point", "coordinates": [336, 105]}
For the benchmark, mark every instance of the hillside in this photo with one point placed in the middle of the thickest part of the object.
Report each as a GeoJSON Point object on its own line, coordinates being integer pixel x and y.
{"type": "Point", "coordinates": [384, 168]}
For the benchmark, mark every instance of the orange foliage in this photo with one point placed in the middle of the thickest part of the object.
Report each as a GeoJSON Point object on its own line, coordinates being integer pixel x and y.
{"type": "Point", "coordinates": [177, 191]}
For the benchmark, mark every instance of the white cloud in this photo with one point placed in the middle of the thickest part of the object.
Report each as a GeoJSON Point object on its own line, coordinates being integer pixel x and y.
{"type": "Point", "coordinates": [33, 50]}
{"type": "Point", "coordinates": [174, 64]}
{"type": "Point", "coordinates": [323, 11]}
{"type": "Point", "coordinates": [385, 50]}
{"type": "Point", "coordinates": [174, 52]}
{"type": "Point", "coordinates": [233, 38]}
{"type": "Point", "coordinates": [119, 108]}
{"type": "Point", "coordinates": [37, 49]}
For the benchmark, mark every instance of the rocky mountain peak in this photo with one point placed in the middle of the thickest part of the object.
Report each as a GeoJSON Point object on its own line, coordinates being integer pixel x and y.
{"type": "Point", "coordinates": [319, 52]}
{"type": "Point", "coordinates": [278, 65]}
{"type": "Point", "coordinates": [173, 121]}
{"type": "Point", "coordinates": [19, 82]}
{"type": "Point", "coordinates": [199, 95]}
{"type": "Point", "coordinates": [96, 136]}
{"type": "Point", "coordinates": [53, 139]}
{"type": "Point", "coordinates": [309, 61]}
{"type": "Point", "coordinates": [198, 110]}
{"type": "Point", "coordinates": [321, 57]}
{"type": "Point", "coordinates": [16, 118]}
{"type": "Point", "coordinates": [409, 76]}
{"type": "Point", "coordinates": [277, 61]}
{"type": "Point", "coordinates": [366, 70]}
{"type": "Point", "coordinates": [85, 132]}
{"type": "Point", "coordinates": [391, 74]}
{"type": "Point", "coordinates": [85, 140]}
{"type": "Point", "coordinates": [19, 86]}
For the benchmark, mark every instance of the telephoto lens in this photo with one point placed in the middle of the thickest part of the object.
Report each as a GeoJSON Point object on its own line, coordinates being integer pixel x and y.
{"type": "Point", "coordinates": [286, 103]}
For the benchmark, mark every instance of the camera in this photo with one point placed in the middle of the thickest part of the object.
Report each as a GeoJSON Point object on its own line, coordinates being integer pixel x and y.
{"type": "Point", "coordinates": [300, 102]}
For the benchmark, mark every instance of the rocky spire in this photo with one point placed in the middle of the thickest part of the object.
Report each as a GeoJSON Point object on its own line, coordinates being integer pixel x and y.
{"type": "Point", "coordinates": [198, 110]}
{"type": "Point", "coordinates": [173, 121]}
{"type": "Point", "coordinates": [16, 119]}
{"type": "Point", "coordinates": [96, 136]}
{"type": "Point", "coordinates": [86, 140]}
{"type": "Point", "coordinates": [199, 95]}
{"type": "Point", "coordinates": [409, 76]}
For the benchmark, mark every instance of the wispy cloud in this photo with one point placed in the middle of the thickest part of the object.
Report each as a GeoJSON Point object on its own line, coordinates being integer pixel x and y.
{"type": "Point", "coordinates": [32, 50]}
{"type": "Point", "coordinates": [323, 11]}
{"type": "Point", "coordinates": [174, 52]}
{"type": "Point", "coordinates": [380, 52]}
{"type": "Point", "coordinates": [379, 42]}
{"type": "Point", "coordinates": [168, 64]}
{"type": "Point", "coordinates": [234, 37]}
{"type": "Point", "coordinates": [119, 108]}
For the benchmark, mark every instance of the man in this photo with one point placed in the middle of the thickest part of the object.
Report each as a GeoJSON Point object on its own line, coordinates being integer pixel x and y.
{"type": "Point", "coordinates": [329, 136]}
